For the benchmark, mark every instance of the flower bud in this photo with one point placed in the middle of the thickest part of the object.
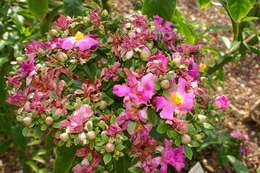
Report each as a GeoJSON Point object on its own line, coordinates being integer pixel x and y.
{"type": "Point", "coordinates": [186, 139]}
{"type": "Point", "coordinates": [145, 53]}
{"type": "Point", "coordinates": [202, 118]}
{"type": "Point", "coordinates": [165, 84]}
{"type": "Point", "coordinates": [53, 33]}
{"type": "Point", "coordinates": [49, 120]}
{"type": "Point", "coordinates": [88, 126]}
{"type": "Point", "coordinates": [109, 147]}
{"type": "Point", "coordinates": [104, 13]}
{"type": "Point", "coordinates": [64, 136]}
{"type": "Point", "coordinates": [82, 136]}
{"type": "Point", "coordinates": [27, 121]}
{"type": "Point", "coordinates": [129, 54]}
{"type": "Point", "coordinates": [102, 104]}
{"type": "Point", "coordinates": [91, 135]}
{"type": "Point", "coordinates": [61, 56]}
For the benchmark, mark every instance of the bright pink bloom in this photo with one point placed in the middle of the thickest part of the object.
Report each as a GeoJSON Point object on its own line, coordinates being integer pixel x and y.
{"type": "Point", "coordinates": [16, 98]}
{"type": "Point", "coordinates": [83, 42]}
{"type": "Point", "coordinates": [221, 102]}
{"type": "Point", "coordinates": [95, 18]}
{"type": "Point", "coordinates": [178, 99]}
{"type": "Point", "coordinates": [245, 149]}
{"type": "Point", "coordinates": [172, 156]}
{"type": "Point", "coordinates": [75, 123]}
{"type": "Point", "coordinates": [86, 167]}
{"type": "Point", "coordinates": [27, 67]}
{"type": "Point", "coordinates": [239, 135]}
{"type": "Point", "coordinates": [32, 49]}
{"type": "Point", "coordinates": [13, 81]}
{"type": "Point", "coordinates": [158, 64]}
{"type": "Point", "coordinates": [62, 22]}
{"type": "Point", "coordinates": [140, 92]}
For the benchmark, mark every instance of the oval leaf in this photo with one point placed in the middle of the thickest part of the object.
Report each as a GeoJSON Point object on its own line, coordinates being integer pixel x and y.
{"type": "Point", "coordinates": [64, 159]}
{"type": "Point", "coordinates": [239, 8]}
{"type": "Point", "coordinates": [39, 8]}
{"type": "Point", "coordinates": [72, 7]}
{"type": "Point", "coordinates": [163, 8]}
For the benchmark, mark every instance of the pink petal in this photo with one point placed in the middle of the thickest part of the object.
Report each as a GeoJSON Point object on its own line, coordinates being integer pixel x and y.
{"type": "Point", "coordinates": [68, 43]}
{"type": "Point", "coordinates": [86, 43]}
{"type": "Point", "coordinates": [121, 90]}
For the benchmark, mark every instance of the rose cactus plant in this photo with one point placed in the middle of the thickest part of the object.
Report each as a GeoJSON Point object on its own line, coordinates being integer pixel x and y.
{"type": "Point", "coordinates": [115, 89]}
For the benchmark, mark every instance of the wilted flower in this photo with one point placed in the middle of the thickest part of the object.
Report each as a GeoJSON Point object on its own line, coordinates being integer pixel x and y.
{"type": "Point", "coordinates": [158, 64]}
{"type": "Point", "coordinates": [75, 123]}
{"type": "Point", "coordinates": [62, 22]}
{"type": "Point", "coordinates": [239, 135]}
{"type": "Point", "coordinates": [172, 156]}
{"type": "Point", "coordinates": [221, 102]}
{"type": "Point", "coordinates": [27, 67]}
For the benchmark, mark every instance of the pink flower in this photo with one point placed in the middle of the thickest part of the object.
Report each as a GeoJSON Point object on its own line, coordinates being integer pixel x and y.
{"type": "Point", "coordinates": [95, 17]}
{"type": "Point", "coordinates": [178, 99]}
{"type": "Point", "coordinates": [75, 123]}
{"type": "Point", "coordinates": [245, 149]}
{"type": "Point", "coordinates": [27, 67]}
{"type": "Point", "coordinates": [111, 72]}
{"type": "Point", "coordinates": [172, 156]}
{"type": "Point", "coordinates": [140, 92]}
{"type": "Point", "coordinates": [86, 167]}
{"type": "Point", "coordinates": [13, 81]}
{"type": "Point", "coordinates": [239, 135]}
{"type": "Point", "coordinates": [158, 64]}
{"type": "Point", "coordinates": [16, 98]}
{"type": "Point", "coordinates": [221, 102]}
{"type": "Point", "coordinates": [62, 22]}
{"type": "Point", "coordinates": [83, 42]}
{"type": "Point", "coordinates": [32, 49]}
{"type": "Point", "coordinates": [150, 166]}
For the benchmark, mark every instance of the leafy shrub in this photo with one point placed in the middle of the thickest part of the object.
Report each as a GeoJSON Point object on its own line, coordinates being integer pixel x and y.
{"type": "Point", "coordinates": [110, 95]}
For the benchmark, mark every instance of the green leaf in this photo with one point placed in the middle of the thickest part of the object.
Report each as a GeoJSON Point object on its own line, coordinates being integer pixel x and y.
{"type": "Point", "coordinates": [72, 7]}
{"type": "Point", "coordinates": [184, 27]}
{"type": "Point", "coordinates": [239, 9]}
{"type": "Point", "coordinates": [226, 41]}
{"type": "Point", "coordinates": [122, 164]}
{"type": "Point", "coordinates": [107, 158]}
{"type": "Point", "coordinates": [131, 126]}
{"type": "Point", "coordinates": [204, 3]}
{"type": "Point", "coordinates": [163, 8]}
{"type": "Point", "coordinates": [64, 159]}
{"type": "Point", "coordinates": [135, 170]}
{"type": "Point", "coordinates": [188, 152]}
{"type": "Point", "coordinates": [153, 117]}
{"type": "Point", "coordinates": [162, 127]}
{"type": "Point", "coordinates": [239, 166]}
{"type": "Point", "coordinates": [39, 8]}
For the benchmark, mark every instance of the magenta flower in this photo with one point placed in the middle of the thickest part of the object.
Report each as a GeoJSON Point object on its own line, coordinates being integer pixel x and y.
{"type": "Point", "coordinates": [27, 67]}
{"type": "Point", "coordinates": [140, 92]}
{"type": "Point", "coordinates": [75, 123]}
{"type": "Point", "coordinates": [150, 166]}
{"type": "Point", "coordinates": [33, 48]}
{"type": "Point", "coordinates": [83, 42]}
{"type": "Point", "coordinates": [172, 156]}
{"type": "Point", "coordinates": [239, 135]}
{"type": "Point", "coordinates": [62, 22]}
{"type": "Point", "coordinates": [111, 72]}
{"type": "Point", "coordinates": [16, 98]}
{"type": "Point", "coordinates": [178, 99]}
{"type": "Point", "coordinates": [221, 102]}
{"type": "Point", "coordinates": [158, 64]}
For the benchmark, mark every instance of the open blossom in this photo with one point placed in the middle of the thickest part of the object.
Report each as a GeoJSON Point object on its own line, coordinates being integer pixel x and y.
{"type": "Point", "coordinates": [140, 92]}
{"type": "Point", "coordinates": [83, 42]}
{"type": "Point", "coordinates": [150, 166]}
{"type": "Point", "coordinates": [75, 123]}
{"type": "Point", "coordinates": [62, 22]}
{"type": "Point", "coordinates": [221, 102]}
{"type": "Point", "coordinates": [86, 167]}
{"type": "Point", "coordinates": [178, 99]}
{"type": "Point", "coordinates": [32, 49]}
{"type": "Point", "coordinates": [158, 64]}
{"type": "Point", "coordinates": [172, 156]}
{"type": "Point", "coordinates": [16, 98]}
{"type": "Point", "coordinates": [239, 135]}
{"type": "Point", "coordinates": [27, 67]}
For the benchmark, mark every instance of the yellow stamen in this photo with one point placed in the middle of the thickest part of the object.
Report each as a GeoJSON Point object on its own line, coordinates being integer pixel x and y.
{"type": "Point", "coordinates": [176, 98]}
{"type": "Point", "coordinates": [79, 36]}
{"type": "Point", "coordinates": [202, 67]}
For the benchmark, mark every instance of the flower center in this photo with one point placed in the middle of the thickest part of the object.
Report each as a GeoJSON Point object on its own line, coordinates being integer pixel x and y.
{"type": "Point", "coordinates": [202, 67]}
{"type": "Point", "coordinates": [176, 98]}
{"type": "Point", "coordinates": [79, 36]}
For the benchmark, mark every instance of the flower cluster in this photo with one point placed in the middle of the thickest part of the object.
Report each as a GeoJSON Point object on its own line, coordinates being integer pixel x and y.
{"type": "Point", "coordinates": [130, 89]}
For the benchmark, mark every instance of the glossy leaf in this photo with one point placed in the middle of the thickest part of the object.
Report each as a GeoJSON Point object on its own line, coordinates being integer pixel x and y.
{"type": "Point", "coordinates": [188, 152]}
{"type": "Point", "coordinates": [163, 8]}
{"type": "Point", "coordinates": [204, 3]}
{"type": "Point", "coordinates": [64, 159]}
{"type": "Point", "coordinates": [239, 9]}
{"type": "Point", "coordinates": [39, 8]}
{"type": "Point", "coordinates": [72, 7]}
{"type": "Point", "coordinates": [239, 166]}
